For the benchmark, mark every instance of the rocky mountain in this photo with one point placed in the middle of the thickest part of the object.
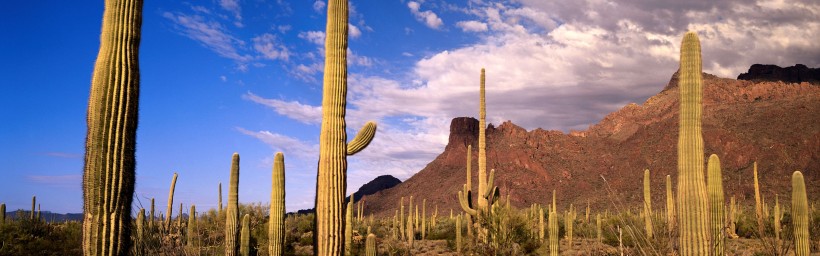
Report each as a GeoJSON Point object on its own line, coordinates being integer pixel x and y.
{"type": "Point", "coordinates": [776, 124]}
{"type": "Point", "coordinates": [795, 74]}
{"type": "Point", "coordinates": [378, 184]}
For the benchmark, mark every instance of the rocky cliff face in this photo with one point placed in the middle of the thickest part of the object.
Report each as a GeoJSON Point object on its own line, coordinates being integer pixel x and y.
{"type": "Point", "coordinates": [774, 123]}
{"type": "Point", "coordinates": [795, 74]}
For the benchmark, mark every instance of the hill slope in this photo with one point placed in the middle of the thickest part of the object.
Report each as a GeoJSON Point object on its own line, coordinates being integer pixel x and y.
{"type": "Point", "coordinates": [773, 123]}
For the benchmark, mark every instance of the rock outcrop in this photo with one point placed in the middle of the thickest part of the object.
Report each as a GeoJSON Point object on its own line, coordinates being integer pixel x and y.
{"type": "Point", "coordinates": [795, 74]}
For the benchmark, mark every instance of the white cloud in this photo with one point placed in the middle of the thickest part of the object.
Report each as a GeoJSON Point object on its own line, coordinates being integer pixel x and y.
{"type": "Point", "coordinates": [270, 48]}
{"type": "Point", "coordinates": [429, 18]}
{"type": "Point", "coordinates": [353, 31]}
{"type": "Point", "coordinates": [233, 7]}
{"type": "Point", "coordinates": [319, 6]}
{"type": "Point", "coordinates": [303, 113]}
{"type": "Point", "coordinates": [210, 34]}
{"type": "Point", "coordinates": [472, 26]}
{"type": "Point", "coordinates": [316, 37]}
{"type": "Point", "coordinates": [288, 145]}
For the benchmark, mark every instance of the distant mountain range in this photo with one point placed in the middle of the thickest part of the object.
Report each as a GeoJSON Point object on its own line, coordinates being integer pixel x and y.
{"type": "Point", "coordinates": [46, 216]}
{"type": "Point", "coordinates": [774, 123]}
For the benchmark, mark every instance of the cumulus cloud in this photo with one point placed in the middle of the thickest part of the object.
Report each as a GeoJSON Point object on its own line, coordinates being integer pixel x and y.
{"type": "Point", "coordinates": [429, 18]}
{"type": "Point", "coordinates": [472, 26]}
{"type": "Point", "coordinates": [319, 6]}
{"type": "Point", "coordinates": [353, 31]}
{"type": "Point", "coordinates": [316, 37]}
{"type": "Point", "coordinates": [270, 48]}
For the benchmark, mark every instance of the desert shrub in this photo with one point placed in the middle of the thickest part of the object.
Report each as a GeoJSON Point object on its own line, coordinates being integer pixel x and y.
{"type": "Point", "coordinates": [25, 236]}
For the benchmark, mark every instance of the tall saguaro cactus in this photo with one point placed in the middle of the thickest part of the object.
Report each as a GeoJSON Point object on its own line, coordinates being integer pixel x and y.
{"type": "Point", "coordinates": [245, 246]}
{"type": "Point", "coordinates": [333, 146]}
{"type": "Point", "coordinates": [670, 205]}
{"type": "Point", "coordinates": [692, 199]}
{"type": "Point", "coordinates": [219, 211]}
{"type": "Point", "coordinates": [758, 204]}
{"type": "Point", "coordinates": [800, 215]}
{"type": "Point", "coordinates": [110, 143]}
{"type": "Point", "coordinates": [647, 204]}
{"type": "Point", "coordinates": [276, 227]}
{"type": "Point", "coordinates": [482, 146]}
{"type": "Point", "coordinates": [33, 207]}
{"type": "Point", "coordinates": [232, 213]}
{"type": "Point", "coordinates": [171, 202]}
{"type": "Point", "coordinates": [717, 215]}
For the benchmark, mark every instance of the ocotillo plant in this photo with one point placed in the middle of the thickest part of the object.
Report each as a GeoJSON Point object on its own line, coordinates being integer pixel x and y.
{"type": "Point", "coordinates": [716, 207]}
{"type": "Point", "coordinates": [232, 213]}
{"type": "Point", "coordinates": [758, 205]}
{"type": "Point", "coordinates": [276, 226]}
{"type": "Point", "coordinates": [170, 208]}
{"type": "Point", "coordinates": [110, 141]}
{"type": "Point", "coordinates": [193, 233]}
{"type": "Point", "coordinates": [370, 245]}
{"type": "Point", "coordinates": [670, 205]}
{"type": "Point", "coordinates": [245, 247]}
{"type": "Point", "coordinates": [647, 204]}
{"type": "Point", "coordinates": [332, 176]}
{"type": "Point", "coordinates": [800, 215]}
{"type": "Point", "coordinates": [692, 199]}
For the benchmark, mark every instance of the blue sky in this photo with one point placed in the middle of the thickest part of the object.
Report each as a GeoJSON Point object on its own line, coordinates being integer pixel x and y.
{"type": "Point", "coordinates": [244, 76]}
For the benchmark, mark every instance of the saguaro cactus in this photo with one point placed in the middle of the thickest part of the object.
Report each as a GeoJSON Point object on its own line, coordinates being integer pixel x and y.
{"type": "Point", "coordinates": [333, 146]}
{"type": "Point", "coordinates": [33, 208]}
{"type": "Point", "coordinates": [553, 232]}
{"type": "Point", "coordinates": [193, 233]}
{"type": "Point", "coordinates": [540, 224]}
{"type": "Point", "coordinates": [458, 234]}
{"type": "Point", "coordinates": [140, 226]}
{"type": "Point", "coordinates": [151, 218]}
{"type": "Point", "coordinates": [245, 247]}
{"type": "Point", "coordinates": [482, 147]}
{"type": "Point", "coordinates": [758, 205]}
{"type": "Point", "coordinates": [647, 204]}
{"type": "Point", "coordinates": [800, 215]}
{"type": "Point", "coordinates": [219, 211]}
{"type": "Point", "coordinates": [2, 214]}
{"type": "Point", "coordinates": [670, 205]}
{"type": "Point", "coordinates": [692, 199]}
{"type": "Point", "coordinates": [370, 245]}
{"type": "Point", "coordinates": [232, 213]}
{"type": "Point", "coordinates": [110, 142]}
{"type": "Point", "coordinates": [598, 226]}
{"type": "Point", "coordinates": [276, 226]}
{"type": "Point", "coordinates": [170, 208]}
{"type": "Point", "coordinates": [717, 214]}
{"type": "Point", "coordinates": [349, 227]}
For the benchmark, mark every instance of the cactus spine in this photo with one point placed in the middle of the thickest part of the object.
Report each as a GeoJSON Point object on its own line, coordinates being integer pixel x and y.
{"type": "Point", "coordinates": [370, 245]}
{"type": "Point", "coordinates": [349, 227]}
{"type": "Point", "coordinates": [692, 198]}
{"type": "Point", "coordinates": [758, 205]}
{"type": "Point", "coordinates": [276, 225]}
{"type": "Point", "coordinates": [647, 204]}
{"type": "Point", "coordinates": [670, 205]}
{"type": "Point", "coordinates": [333, 146]}
{"type": "Point", "coordinates": [109, 163]}
{"type": "Point", "coordinates": [716, 208]}
{"type": "Point", "coordinates": [800, 215]}
{"type": "Point", "coordinates": [245, 247]}
{"type": "Point", "coordinates": [232, 213]}
{"type": "Point", "coordinates": [170, 208]}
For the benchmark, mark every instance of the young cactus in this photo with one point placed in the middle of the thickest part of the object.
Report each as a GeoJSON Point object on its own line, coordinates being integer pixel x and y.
{"type": "Point", "coordinates": [110, 142]}
{"type": "Point", "coordinates": [232, 213]}
{"type": "Point", "coordinates": [193, 233]}
{"type": "Point", "coordinates": [219, 210]}
{"type": "Point", "coordinates": [276, 226]}
{"type": "Point", "coordinates": [553, 232]}
{"type": "Point", "coordinates": [33, 207]}
{"type": "Point", "coordinates": [171, 202]}
{"type": "Point", "coordinates": [800, 215]}
{"type": "Point", "coordinates": [333, 146]}
{"type": "Point", "coordinates": [670, 205]}
{"type": "Point", "coordinates": [151, 217]}
{"type": "Point", "coordinates": [349, 227]}
{"type": "Point", "coordinates": [758, 204]}
{"type": "Point", "coordinates": [140, 228]}
{"type": "Point", "coordinates": [458, 234]}
{"type": "Point", "coordinates": [716, 208]}
{"type": "Point", "coordinates": [647, 205]}
{"type": "Point", "coordinates": [692, 199]}
{"type": "Point", "coordinates": [370, 245]}
{"type": "Point", "coordinates": [245, 247]}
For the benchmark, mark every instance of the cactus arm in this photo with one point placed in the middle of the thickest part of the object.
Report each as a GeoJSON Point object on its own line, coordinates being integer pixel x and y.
{"type": "Point", "coordinates": [489, 186]}
{"type": "Point", "coordinates": [362, 139]}
{"type": "Point", "coordinates": [464, 201]}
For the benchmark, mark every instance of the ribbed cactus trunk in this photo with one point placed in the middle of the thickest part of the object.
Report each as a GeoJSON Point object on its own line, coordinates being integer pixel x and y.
{"type": "Point", "coordinates": [800, 215]}
{"type": "Point", "coordinates": [276, 225]}
{"type": "Point", "coordinates": [599, 228]}
{"type": "Point", "coordinates": [692, 199]}
{"type": "Point", "coordinates": [540, 224]}
{"type": "Point", "coordinates": [458, 234]}
{"type": "Point", "coordinates": [482, 146]}
{"type": "Point", "coordinates": [670, 205]}
{"type": "Point", "coordinates": [109, 163]}
{"type": "Point", "coordinates": [469, 187]}
{"type": "Point", "coordinates": [170, 208]}
{"type": "Point", "coordinates": [245, 246]}
{"type": "Point", "coordinates": [219, 211]}
{"type": "Point", "coordinates": [401, 219]}
{"type": "Point", "coordinates": [647, 205]}
{"type": "Point", "coordinates": [553, 232]}
{"type": "Point", "coordinates": [193, 232]}
{"type": "Point", "coordinates": [370, 245]}
{"type": "Point", "coordinates": [717, 214]}
{"type": "Point", "coordinates": [349, 227]}
{"type": "Point", "coordinates": [140, 237]}
{"type": "Point", "coordinates": [410, 233]}
{"type": "Point", "coordinates": [232, 213]}
{"type": "Point", "coordinates": [423, 219]}
{"type": "Point", "coordinates": [758, 205]}
{"type": "Point", "coordinates": [776, 222]}
{"type": "Point", "coordinates": [333, 146]}
{"type": "Point", "coordinates": [151, 217]}
{"type": "Point", "coordinates": [33, 207]}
